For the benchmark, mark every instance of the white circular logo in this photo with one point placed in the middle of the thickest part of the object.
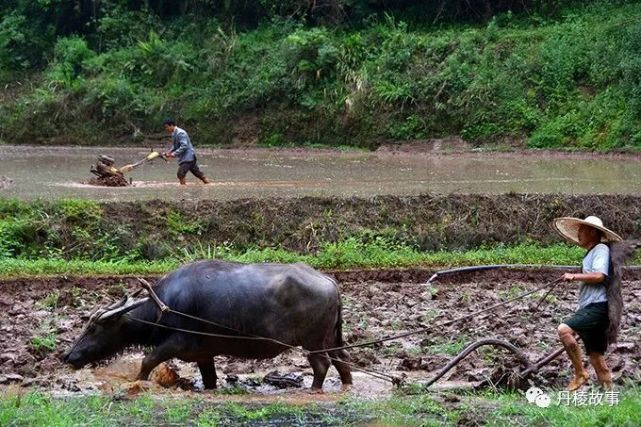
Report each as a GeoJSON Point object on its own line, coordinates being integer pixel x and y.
{"type": "Point", "coordinates": [532, 393]}
{"type": "Point", "coordinates": [543, 401]}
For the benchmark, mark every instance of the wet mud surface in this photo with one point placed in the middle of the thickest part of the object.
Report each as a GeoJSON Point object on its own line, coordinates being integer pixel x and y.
{"type": "Point", "coordinates": [58, 172]}
{"type": "Point", "coordinates": [108, 181]}
{"type": "Point", "coordinates": [40, 318]}
{"type": "Point", "coordinates": [5, 182]}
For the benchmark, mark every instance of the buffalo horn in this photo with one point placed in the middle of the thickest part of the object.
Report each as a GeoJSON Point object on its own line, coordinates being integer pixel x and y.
{"type": "Point", "coordinates": [117, 304]}
{"type": "Point", "coordinates": [120, 310]}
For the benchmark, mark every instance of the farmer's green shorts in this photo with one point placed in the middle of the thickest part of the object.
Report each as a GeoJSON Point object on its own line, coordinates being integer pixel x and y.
{"type": "Point", "coordinates": [591, 323]}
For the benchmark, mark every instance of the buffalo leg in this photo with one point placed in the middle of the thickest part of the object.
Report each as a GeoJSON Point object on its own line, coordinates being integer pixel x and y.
{"type": "Point", "coordinates": [320, 363]}
{"type": "Point", "coordinates": [343, 368]}
{"type": "Point", "coordinates": [208, 372]}
{"type": "Point", "coordinates": [155, 358]}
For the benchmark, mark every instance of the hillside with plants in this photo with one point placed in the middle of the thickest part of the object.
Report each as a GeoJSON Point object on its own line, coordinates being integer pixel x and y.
{"type": "Point", "coordinates": [542, 74]}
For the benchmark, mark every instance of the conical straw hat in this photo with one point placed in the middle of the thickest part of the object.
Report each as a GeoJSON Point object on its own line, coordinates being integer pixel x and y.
{"type": "Point", "coordinates": [568, 227]}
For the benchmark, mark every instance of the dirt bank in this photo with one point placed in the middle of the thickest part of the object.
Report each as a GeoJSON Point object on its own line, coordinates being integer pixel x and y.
{"type": "Point", "coordinates": [429, 221]}
{"type": "Point", "coordinates": [158, 229]}
{"type": "Point", "coordinates": [39, 318]}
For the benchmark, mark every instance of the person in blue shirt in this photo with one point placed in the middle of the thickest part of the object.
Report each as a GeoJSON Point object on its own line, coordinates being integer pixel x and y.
{"type": "Point", "coordinates": [184, 151]}
{"type": "Point", "coordinates": [591, 320]}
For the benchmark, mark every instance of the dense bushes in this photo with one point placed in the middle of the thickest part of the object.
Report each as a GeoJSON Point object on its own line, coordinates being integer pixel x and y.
{"type": "Point", "coordinates": [567, 82]}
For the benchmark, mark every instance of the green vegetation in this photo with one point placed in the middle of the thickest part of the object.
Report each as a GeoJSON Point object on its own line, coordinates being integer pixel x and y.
{"type": "Point", "coordinates": [50, 301]}
{"type": "Point", "coordinates": [564, 74]}
{"type": "Point", "coordinates": [509, 407]}
{"type": "Point", "coordinates": [44, 343]}
{"type": "Point", "coordinates": [86, 238]}
{"type": "Point", "coordinates": [45, 337]}
{"type": "Point", "coordinates": [44, 267]}
{"type": "Point", "coordinates": [38, 409]}
{"type": "Point", "coordinates": [449, 346]}
{"type": "Point", "coordinates": [487, 408]}
{"type": "Point", "coordinates": [332, 233]}
{"type": "Point", "coordinates": [353, 256]}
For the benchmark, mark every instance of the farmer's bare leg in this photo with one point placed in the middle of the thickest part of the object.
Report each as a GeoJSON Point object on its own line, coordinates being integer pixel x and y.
{"type": "Point", "coordinates": [603, 373]}
{"type": "Point", "coordinates": [581, 376]}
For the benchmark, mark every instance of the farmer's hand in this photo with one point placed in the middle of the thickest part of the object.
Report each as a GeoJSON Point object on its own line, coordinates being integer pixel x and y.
{"type": "Point", "coordinates": [168, 154]}
{"type": "Point", "coordinates": [569, 277]}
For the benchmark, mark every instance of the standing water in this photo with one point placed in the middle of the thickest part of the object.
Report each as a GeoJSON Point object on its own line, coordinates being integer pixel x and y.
{"type": "Point", "coordinates": [61, 172]}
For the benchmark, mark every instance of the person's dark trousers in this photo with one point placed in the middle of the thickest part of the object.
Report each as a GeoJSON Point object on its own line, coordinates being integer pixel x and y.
{"type": "Point", "coordinates": [192, 167]}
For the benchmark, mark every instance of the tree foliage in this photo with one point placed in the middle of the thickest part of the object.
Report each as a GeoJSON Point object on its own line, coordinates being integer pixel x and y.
{"type": "Point", "coordinates": [296, 72]}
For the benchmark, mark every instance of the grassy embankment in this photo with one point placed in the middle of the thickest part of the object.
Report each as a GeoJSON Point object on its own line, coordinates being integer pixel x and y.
{"type": "Point", "coordinates": [568, 81]}
{"type": "Point", "coordinates": [488, 408]}
{"type": "Point", "coordinates": [344, 255]}
{"type": "Point", "coordinates": [86, 238]}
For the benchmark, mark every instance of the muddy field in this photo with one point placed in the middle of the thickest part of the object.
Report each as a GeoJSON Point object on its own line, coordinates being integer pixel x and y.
{"type": "Point", "coordinates": [39, 318]}
{"type": "Point", "coordinates": [55, 172]}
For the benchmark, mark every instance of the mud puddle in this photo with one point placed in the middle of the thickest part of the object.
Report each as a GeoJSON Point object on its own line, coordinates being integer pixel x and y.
{"type": "Point", "coordinates": [40, 318]}
{"type": "Point", "coordinates": [260, 384]}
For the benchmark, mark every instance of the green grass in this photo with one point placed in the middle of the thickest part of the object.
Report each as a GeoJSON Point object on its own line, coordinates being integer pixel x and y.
{"type": "Point", "coordinates": [40, 409]}
{"type": "Point", "coordinates": [449, 347]}
{"type": "Point", "coordinates": [45, 342]}
{"type": "Point", "coordinates": [48, 267]}
{"type": "Point", "coordinates": [513, 408]}
{"type": "Point", "coordinates": [348, 254]}
{"type": "Point", "coordinates": [45, 337]}
{"type": "Point", "coordinates": [419, 409]}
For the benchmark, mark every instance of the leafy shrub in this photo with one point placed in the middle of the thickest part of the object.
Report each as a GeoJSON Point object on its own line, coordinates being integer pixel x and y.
{"type": "Point", "coordinates": [311, 53]}
{"type": "Point", "coordinates": [78, 210]}
{"type": "Point", "coordinates": [22, 44]}
{"type": "Point", "coordinates": [572, 81]}
{"type": "Point", "coordinates": [70, 54]}
{"type": "Point", "coordinates": [16, 236]}
{"type": "Point", "coordinates": [178, 224]}
{"type": "Point", "coordinates": [119, 27]}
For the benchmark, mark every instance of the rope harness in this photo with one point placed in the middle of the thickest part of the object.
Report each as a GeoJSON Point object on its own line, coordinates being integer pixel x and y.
{"type": "Point", "coordinates": [380, 375]}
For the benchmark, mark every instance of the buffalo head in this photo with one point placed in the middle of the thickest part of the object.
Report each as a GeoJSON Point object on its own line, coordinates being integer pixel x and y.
{"type": "Point", "coordinates": [104, 334]}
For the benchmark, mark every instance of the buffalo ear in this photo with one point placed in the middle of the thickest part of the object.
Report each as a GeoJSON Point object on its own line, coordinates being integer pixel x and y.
{"type": "Point", "coordinates": [120, 310]}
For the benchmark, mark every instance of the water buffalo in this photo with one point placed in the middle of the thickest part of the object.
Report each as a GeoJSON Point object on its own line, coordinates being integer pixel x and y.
{"type": "Point", "coordinates": [293, 304]}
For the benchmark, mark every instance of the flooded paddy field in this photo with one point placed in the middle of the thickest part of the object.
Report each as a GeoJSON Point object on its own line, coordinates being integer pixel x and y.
{"type": "Point", "coordinates": [62, 172]}
{"type": "Point", "coordinates": [40, 318]}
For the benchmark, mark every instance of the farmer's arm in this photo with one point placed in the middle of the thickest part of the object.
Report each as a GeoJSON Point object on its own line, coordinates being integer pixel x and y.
{"type": "Point", "coordinates": [598, 270]}
{"type": "Point", "coordinates": [592, 278]}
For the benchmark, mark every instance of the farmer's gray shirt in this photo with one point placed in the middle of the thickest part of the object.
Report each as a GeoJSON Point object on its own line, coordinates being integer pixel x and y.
{"type": "Point", "coordinates": [183, 149]}
{"type": "Point", "coordinates": [597, 260]}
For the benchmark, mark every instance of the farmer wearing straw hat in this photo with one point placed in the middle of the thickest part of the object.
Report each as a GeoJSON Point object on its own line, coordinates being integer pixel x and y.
{"type": "Point", "coordinates": [591, 320]}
